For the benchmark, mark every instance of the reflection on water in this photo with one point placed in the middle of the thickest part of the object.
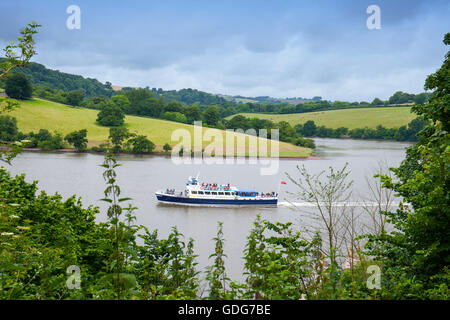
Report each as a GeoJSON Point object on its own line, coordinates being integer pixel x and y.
{"type": "Point", "coordinates": [140, 176]}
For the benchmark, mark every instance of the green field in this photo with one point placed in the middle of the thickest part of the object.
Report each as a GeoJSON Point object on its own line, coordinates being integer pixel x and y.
{"type": "Point", "coordinates": [38, 114]}
{"type": "Point", "coordinates": [389, 117]}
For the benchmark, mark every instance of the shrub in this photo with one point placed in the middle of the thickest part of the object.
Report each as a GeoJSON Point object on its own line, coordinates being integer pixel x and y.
{"type": "Point", "coordinates": [167, 147]}
{"type": "Point", "coordinates": [140, 144]}
{"type": "Point", "coordinates": [56, 141]}
{"type": "Point", "coordinates": [175, 116]}
{"type": "Point", "coordinates": [78, 139]}
{"type": "Point", "coordinates": [8, 128]}
{"type": "Point", "coordinates": [18, 86]}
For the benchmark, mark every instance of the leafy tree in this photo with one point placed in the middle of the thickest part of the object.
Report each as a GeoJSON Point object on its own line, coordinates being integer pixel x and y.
{"type": "Point", "coordinates": [18, 86]}
{"type": "Point", "coordinates": [307, 143]}
{"type": "Point", "coordinates": [118, 135]}
{"type": "Point", "coordinates": [142, 102]}
{"type": "Point", "coordinates": [325, 190]}
{"type": "Point", "coordinates": [279, 266]}
{"type": "Point", "coordinates": [400, 97]}
{"type": "Point", "coordinates": [165, 268]}
{"type": "Point", "coordinates": [121, 101]}
{"type": "Point", "coordinates": [211, 115]}
{"type": "Point", "coordinates": [54, 142]}
{"type": "Point", "coordinates": [299, 128]}
{"type": "Point", "coordinates": [150, 107]}
{"type": "Point", "coordinates": [41, 236]}
{"type": "Point", "coordinates": [193, 113]}
{"type": "Point", "coordinates": [239, 122]}
{"type": "Point", "coordinates": [189, 96]}
{"type": "Point", "coordinates": [288, 109]}
{"type": "Point", "coordinates": [140, 144]}
{"type": "Point", "coordinates": [174, 106]}
{"type": "Point", "coordinates": [309, 128]}
{"type": "Point", "coordinates": [78, 139]}
{"type": "Point", "coordinates": [414, 127]}
{"type": "Point", "coordinates": [287, 133]}
{"type": "Point", "coordinates": [377, 102]}
{"type": "Point", "coordinates": [43, 135]}
{"type": "Point", "coordinates": [8, 128]}
{"type": "Point", "coordinates": [167, 147]}
{"type": "Point", "coordinates": [416, 256]}
{"type": "Point", "coordinates": [175, 116]}
{"type": "Point", "coordinates": [93, 102]}
{"type": "Point", "coordinates": [75, 97]}
{"type": "Point", "coordinates": [26, 47]}
{"type": "Point", "coordinates": [423, 97]}
{"type": "Point", "coordinates": [110, 115]}
{"type": "Point", "coordinates": [108, 85]}
{"type": "Point", "coordinates": [400, 135]}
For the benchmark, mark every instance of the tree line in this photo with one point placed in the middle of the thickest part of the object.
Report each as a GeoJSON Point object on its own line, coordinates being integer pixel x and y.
{"type": "Point", "coordinates": [286, 132]}
{"type": "Point", "coordinates": [143, 102]}
{"type": "Point", "coordinates": [300, 132]}
{"type": "Point", "coordinates": [73, 90]}
{"type": "Point", "coordinates": [48, 79]}
{"type": "Point", "coordinates": [119, 139]}
{"type": "Point", "coordinates": [404, 133]}
{"type": "Point", "coordinates": [153, 103]}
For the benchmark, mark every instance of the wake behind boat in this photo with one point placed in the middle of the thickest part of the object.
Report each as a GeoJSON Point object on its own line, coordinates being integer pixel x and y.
{"type": "Point", "coordinates": [212, 194]}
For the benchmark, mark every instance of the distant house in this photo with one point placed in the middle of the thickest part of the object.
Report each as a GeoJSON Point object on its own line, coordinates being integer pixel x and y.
{"type": "Point", "coordinates": [3, 94]}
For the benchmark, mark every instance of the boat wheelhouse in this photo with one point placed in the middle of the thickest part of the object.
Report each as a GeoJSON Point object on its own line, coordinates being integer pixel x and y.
{"type": "Point", "coordinates": [213, 194]}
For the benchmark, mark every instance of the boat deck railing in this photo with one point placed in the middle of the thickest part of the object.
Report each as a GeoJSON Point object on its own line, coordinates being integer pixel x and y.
{"type": "Point", "coordinates": [173, 192]}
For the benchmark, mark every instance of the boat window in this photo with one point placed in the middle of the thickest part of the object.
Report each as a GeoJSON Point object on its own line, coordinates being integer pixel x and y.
{"type": "Point", "coordinates": [194, 192]}
{"type": "Point", "coordinates": [214, 193]}
{"type": "Point", "coordinates": [207, 192]}
{"type": "Point", "coordinates": [227, 193]}
{"type": "Point", "coordinates": [221, 193]}
{"type": "Point", "coordinates": [200, 192]}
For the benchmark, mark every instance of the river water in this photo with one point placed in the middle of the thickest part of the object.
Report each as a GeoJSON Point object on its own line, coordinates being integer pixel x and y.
{"type": "Point", "coordinates": [140, 176]}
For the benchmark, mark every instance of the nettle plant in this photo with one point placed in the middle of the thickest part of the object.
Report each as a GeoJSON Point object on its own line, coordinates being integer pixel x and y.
{"type": "Point", "coordinates": [122, 234]}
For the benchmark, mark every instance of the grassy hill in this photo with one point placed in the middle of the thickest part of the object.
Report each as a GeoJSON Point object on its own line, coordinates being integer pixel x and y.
{"type": "Point", "coordinates": [389, 117]}
{"type": "Point", "coordinates": [38, 114]}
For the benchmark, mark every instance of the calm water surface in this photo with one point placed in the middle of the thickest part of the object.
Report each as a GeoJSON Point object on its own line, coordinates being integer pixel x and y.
{"type": "Point", "coordinates": [140, 176]}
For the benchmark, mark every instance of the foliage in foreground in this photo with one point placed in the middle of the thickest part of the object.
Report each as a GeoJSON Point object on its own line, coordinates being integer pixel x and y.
{"type": "Point", "coordinates": [41, 236]}
{"type": "Point", "coordinates": [417, 255]}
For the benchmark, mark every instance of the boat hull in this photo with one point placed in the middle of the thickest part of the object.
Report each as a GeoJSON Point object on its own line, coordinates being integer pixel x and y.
{"type": "Point", "coordinates": [171, 199]}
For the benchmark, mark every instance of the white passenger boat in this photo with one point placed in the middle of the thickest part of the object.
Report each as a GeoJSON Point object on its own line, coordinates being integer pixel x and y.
{"type": "Point", "coordinates": [213, 194]}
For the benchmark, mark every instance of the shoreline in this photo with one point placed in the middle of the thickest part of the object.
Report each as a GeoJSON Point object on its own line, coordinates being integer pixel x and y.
{"type": "Point", "coordinates": [158, 154]}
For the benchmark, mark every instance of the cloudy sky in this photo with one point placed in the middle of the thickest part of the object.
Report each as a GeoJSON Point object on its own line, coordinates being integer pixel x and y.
{"type": "Point", "coordinates": [279, 48]}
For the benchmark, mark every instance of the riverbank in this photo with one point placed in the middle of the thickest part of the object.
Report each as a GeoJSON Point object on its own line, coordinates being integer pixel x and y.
{"type": "Point", "coordinates": [158, 154]}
